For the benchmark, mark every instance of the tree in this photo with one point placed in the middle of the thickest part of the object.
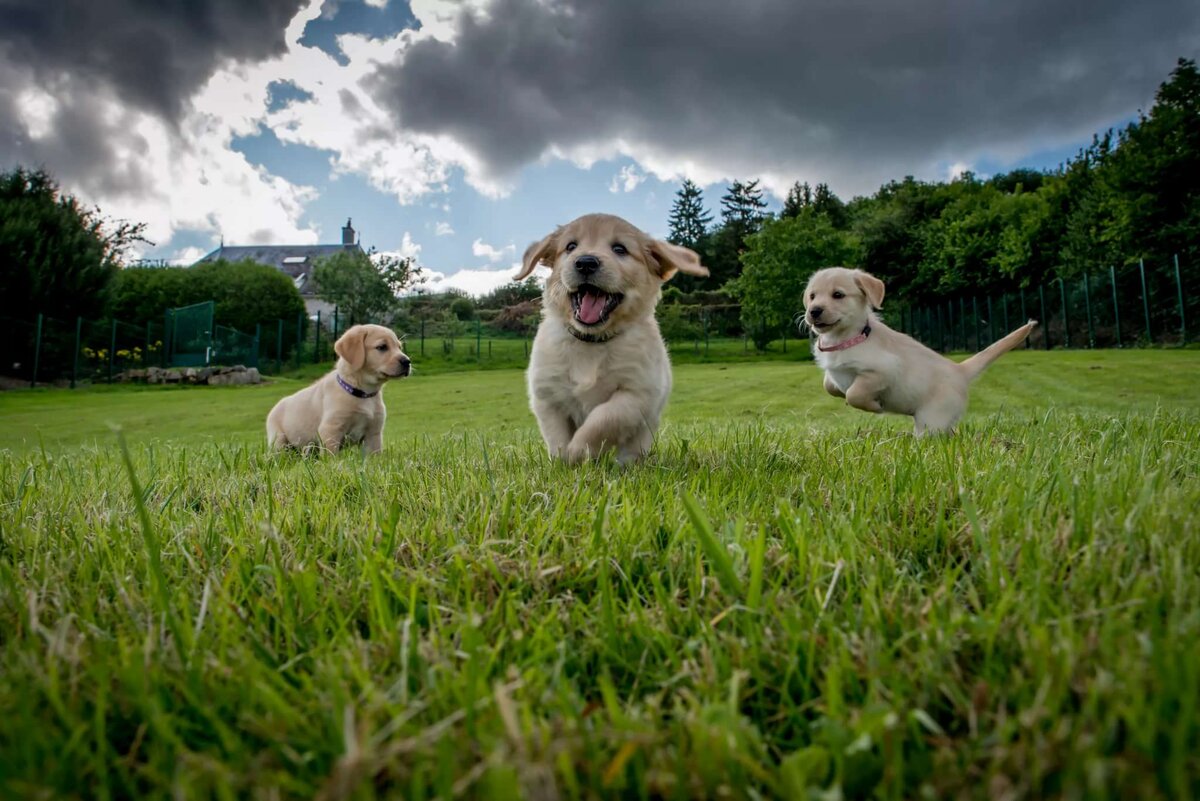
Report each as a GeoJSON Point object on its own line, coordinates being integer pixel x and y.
{"type": "Point", "coordinates": [799, 197]}
{"type": "Point", "coordinates": [463, 308]}
{"type": "Point", "coordinates": [824, 201]}
{"type": "Point", "coordinates": [742, 207]}
{"type": "Point", "coordinates": [363, 286]}
{"type": "Point", "coordinates": [56, 257]}
{"type": "Point", "coordinates": [777, 264]}
{"type": "Point", "coordinates": [511, 294]}
{"type": "Point", "coordinates": [1152, 174]}
{"type": "Point", "coordinates": [245, 293]}
{"type": "Point", "coordinates": [689, 219]}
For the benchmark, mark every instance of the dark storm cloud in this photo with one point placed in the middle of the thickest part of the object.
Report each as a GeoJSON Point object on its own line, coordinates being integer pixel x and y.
{"type": "Point", "coordinates": [860, 91]}
{"type": "Point", "coordinates": [153, 54]}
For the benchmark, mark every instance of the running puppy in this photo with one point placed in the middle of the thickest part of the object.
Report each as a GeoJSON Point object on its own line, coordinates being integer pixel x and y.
{"type": "Point", "coordinates": [345, 405]}
{"type": "Point", "coordinates": [599, 375]}
{"type": "Point", "coordinates": [877, 369]}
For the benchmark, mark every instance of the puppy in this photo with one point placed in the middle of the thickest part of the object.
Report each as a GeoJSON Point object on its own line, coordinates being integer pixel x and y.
{"type": "Point", "coordinates": [599, 375]}
{"type": "Point", "coordinates": [877, 369]}
{"type": "Point", "coordinates": [344, 406]}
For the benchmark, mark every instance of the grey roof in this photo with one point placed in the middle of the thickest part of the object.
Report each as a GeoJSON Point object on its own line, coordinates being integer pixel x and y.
{"type": "Point", "coordinates": [275, 255]}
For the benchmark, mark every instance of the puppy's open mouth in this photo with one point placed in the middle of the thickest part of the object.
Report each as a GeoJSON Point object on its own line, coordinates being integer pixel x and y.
{"type": "Point", "coordinates": [822, 325]}
{"type": "Point", "coordinates": [593, 305]}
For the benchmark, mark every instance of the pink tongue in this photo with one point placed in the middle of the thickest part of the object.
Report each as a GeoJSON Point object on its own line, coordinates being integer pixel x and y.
{"type": "Point", "coordinates": [591, 307]}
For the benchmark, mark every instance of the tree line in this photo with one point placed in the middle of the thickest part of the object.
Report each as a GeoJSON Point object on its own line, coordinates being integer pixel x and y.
{"type": "Point", "coordinates": [1130, 195]}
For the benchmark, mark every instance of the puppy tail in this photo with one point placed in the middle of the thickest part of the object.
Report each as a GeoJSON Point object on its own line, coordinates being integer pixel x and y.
{"type": "Point", "coordinates": [975, 365]}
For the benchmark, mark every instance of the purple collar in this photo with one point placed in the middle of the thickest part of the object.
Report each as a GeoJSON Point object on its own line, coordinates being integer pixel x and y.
{"type": "Point", "coordinates": [353, 390]}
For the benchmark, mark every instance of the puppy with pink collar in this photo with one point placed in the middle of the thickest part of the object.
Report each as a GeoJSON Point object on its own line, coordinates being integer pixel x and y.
{"type": "Point", "coordinates": [877, 369]}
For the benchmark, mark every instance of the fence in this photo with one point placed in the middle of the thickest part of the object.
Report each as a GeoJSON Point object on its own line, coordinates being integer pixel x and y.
{"type": "Point", "coordinates": [50, 350]}
{"type": "Point", "coordinates": [1135, 305]}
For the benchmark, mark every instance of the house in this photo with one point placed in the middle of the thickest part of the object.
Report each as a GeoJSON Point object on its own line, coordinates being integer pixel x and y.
{"type": "Point", "coordinates": [296, 261]}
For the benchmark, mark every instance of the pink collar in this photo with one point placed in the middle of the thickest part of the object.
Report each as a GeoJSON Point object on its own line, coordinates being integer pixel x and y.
{"type": "Point", "coordinates": [849, 343]}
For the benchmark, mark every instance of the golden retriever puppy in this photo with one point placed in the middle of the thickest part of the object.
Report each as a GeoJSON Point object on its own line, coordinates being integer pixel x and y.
{"type": "Point", "coordinates": [599, 375]}
{"type": "Point", "coordinates": [877, 369]}
{"type": "Point", "coordinates": [344, 406]}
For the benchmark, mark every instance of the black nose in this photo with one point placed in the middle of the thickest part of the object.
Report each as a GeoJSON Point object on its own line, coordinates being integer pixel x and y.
{"type": "Point", "coordinates": [405, 365]}
{"type": "Point", "coordinates": [586, 265]}
{"type": "Point", "coordinates": [815, 312]}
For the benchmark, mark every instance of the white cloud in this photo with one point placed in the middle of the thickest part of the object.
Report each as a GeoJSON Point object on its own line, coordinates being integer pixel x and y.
{"type": "Point", "coordinates": [956, 170]}
{"type": "Point", "coordinates": [481, 248]}
{"type": "Point", "coordinates": [626, 180]}
{"type": "Point", "coordinates": [474, 282]}
{"type": "Point", "coordinates": [443, 229]}
{"type": "Point", "coordinates": [408, 250]}
{"type": "Point", "coordinates": [185, 257]}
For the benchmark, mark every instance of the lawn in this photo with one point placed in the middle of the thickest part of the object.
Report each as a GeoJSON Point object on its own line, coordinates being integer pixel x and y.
{"type": "Point", "coordinates": [787, 598]}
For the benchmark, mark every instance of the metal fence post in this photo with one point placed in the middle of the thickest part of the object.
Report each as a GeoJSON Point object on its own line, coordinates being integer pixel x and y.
{"type": "Point", "coordinates": [112, 350]}
{"type": "Point", "coordinates": [1045, 321]}
{"type": "Point", "coordinates": [75, 358]}
{"type": "Point", "coordinates": [335, 320]}
{"type": "Point", "coordinates": [962, 321]}
{"type": "Point", "coordinates": [1145, 301]}
{"type": "Point", "coordinates": [1004, 311]}
{"type": "Point", "coordinates": [991, 330]}
{"type": "Point", "coordinates": [1112, 274]}
{"type": "Point", "coordinates": [1182, 314]}
{"type": "Point", "coordinates": [317, 339]}
{"type": "Point", "coordinates": [299, 336]}
{"type": "Point", "coordinates": [975, 312]}
{"type": "Point", "coordinates": [257, 342]}
{"type": "Point", "coordinates": [478, 338]}
{"type": "Point", "coordinates": [1062, 285]}
{"type": "Point", "coordinates": [1087, 303]}
{"type": "Point", "coordinates": [37, 351]}
{"type": "Point", "coordinates": [941, 329]}
{"type": "Point", "coordinates": [1025, 316]}
{"type": "Point", "coordinates": [279, 345]}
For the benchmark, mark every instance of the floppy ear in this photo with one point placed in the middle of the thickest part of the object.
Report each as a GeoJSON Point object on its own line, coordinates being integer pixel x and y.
{"type": "Point", "coordinates": [871, 286]}
{"type": "Point", "coordinates": [352, 346]}
{"type": "Point", "coordinates": [671, 259]}
{"type": "Point", "coordinates": [537, 253]}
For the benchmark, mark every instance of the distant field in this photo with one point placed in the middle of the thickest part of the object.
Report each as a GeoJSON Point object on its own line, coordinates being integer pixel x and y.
{"type": "Point", "coordinates": [789, 598]}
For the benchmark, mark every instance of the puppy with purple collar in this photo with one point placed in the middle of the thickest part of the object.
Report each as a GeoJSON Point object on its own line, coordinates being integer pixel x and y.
{"type": "Point", "coordinates": [877, 369]}
{"type": "Point", "coordinates": [345, 406]}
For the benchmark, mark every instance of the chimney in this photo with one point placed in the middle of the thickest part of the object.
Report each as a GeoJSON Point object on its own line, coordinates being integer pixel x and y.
{"type": "Point", "coordinates": [348, 234]}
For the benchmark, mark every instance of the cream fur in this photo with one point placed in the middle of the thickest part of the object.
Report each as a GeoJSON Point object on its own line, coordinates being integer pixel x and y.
{"type": "Point", "coordinates": [591, 397]}
{"type": "Point", "coordinates": [889, 372]}
{"type": "Point", "coordinates": [326, 416]}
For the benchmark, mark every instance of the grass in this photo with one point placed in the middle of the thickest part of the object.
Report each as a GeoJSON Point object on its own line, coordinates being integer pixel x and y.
{"type": "Point", "coordinates": [788, 598]}
{"type": "Point", "coordinates": [466, 353]}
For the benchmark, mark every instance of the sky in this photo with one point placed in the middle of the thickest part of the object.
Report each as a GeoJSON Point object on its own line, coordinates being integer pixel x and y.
{"type": "Point", "coordinates": [459, 131]}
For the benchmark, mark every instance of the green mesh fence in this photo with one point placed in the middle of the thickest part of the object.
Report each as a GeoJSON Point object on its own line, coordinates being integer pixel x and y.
{"type": "Point", "coordinates": [230, 347]}
{"type": "Point", "coordinates": [190, 335]}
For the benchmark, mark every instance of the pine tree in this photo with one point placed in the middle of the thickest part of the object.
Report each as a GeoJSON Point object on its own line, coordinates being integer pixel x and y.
{"type": "Point", "coordinates": [689, 219]}
{"type": "Point", "coordinates": [824, 201]}
{"type": "Point", "coordinates": [742, 207]}
{"type": "Point", "coordinates": [799, 197]}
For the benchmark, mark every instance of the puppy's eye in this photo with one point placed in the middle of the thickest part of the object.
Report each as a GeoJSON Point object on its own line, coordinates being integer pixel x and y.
{"type": "Point", "coordinates": [620, 250]}
{"type": "Point", "coordinates": [381, 347]}
{"type": "Point", "coordinates": [839, 295]}
{"type": "Point", "coordinates": [812, 295]}
{"type": "Point", "coordinates": [570, 246]}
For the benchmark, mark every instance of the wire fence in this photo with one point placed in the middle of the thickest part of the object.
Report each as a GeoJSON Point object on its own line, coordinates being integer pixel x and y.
{"type": "Point", "coordinates": [1132, 306]}
{"type": "Point", "coordinates": [48, 350]}
{"type": "Point", "coordinates": [1135, 305]}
